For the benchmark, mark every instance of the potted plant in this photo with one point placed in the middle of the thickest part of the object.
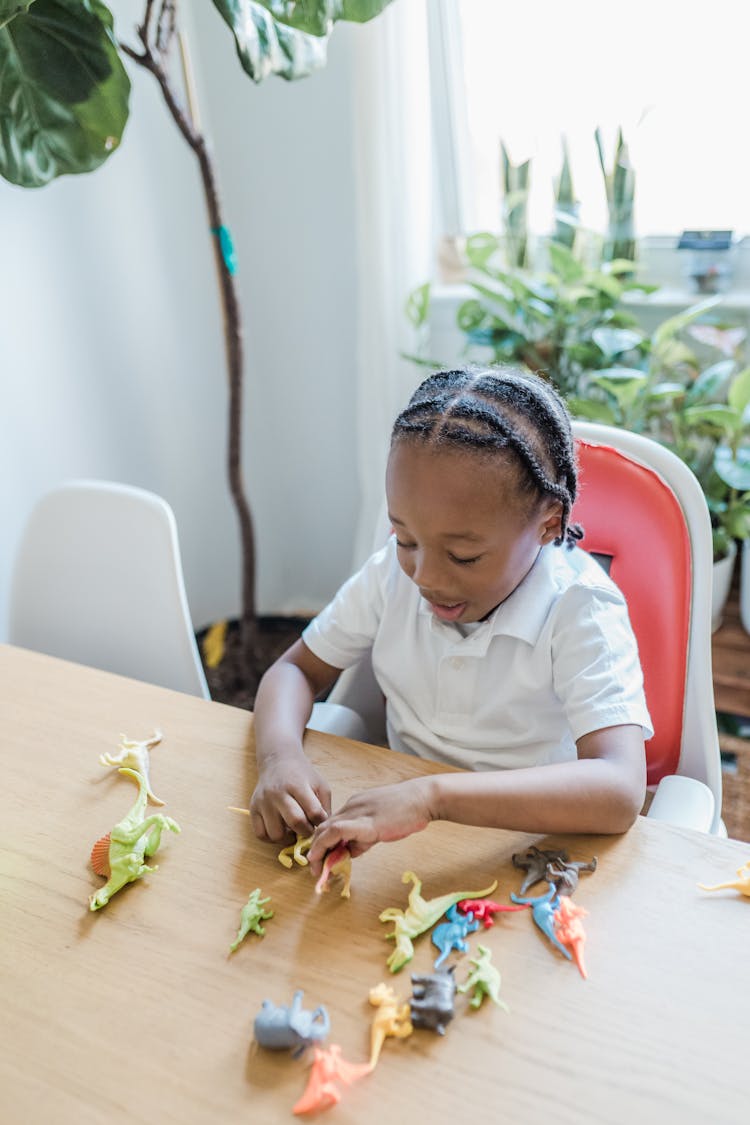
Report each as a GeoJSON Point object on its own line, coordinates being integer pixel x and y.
{"type": "Point", "coordinates": [65, 106]}
{"type": "Point", "coordinates": [698, 413]}
{"type": "Point", "coordinates": [571, 325]}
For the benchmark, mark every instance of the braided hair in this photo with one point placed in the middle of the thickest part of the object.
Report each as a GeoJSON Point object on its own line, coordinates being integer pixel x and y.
{"type": "Point", "coordinates": [488, 409]}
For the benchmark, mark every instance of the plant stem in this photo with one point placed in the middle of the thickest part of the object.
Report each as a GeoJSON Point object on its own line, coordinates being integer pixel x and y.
{"type": "Point", "coordinates": [152, 59]}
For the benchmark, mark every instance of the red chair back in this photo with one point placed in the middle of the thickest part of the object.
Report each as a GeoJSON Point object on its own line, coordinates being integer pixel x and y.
{"type": "Point", "coordinates": [631, 516]}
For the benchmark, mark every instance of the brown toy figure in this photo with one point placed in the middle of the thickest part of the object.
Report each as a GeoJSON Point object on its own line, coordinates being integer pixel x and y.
{"type": "Point", "coordinates": [564, 874]}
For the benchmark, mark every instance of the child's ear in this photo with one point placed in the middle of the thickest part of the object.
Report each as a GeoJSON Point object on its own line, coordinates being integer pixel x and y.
{"type": "Point", "coordinates": [551, 525]}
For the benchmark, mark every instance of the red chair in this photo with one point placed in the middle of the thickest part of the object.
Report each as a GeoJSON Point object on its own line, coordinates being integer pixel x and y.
{"type": "Point", "coordinates": [645, 516]}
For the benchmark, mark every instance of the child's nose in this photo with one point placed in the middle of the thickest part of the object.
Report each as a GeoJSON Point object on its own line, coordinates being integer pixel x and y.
{"type": "Point", "coordinates": [427, 571]}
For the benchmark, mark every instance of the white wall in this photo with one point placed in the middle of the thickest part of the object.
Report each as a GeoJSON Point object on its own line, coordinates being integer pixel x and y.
{"type": "Point", "coordinates": [111, 349]}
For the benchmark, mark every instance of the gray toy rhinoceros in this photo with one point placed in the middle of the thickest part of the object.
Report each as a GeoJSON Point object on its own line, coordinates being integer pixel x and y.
{"type": "Point", "coordinates": [290, 1028]}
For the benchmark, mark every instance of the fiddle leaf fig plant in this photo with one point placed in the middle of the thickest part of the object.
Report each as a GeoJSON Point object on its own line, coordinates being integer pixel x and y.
{"type": "Point", "coordinates": [64, 105]}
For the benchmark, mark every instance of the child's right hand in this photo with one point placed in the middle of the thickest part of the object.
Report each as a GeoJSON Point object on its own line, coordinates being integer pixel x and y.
{"type": "Point", "coordinates": [290, 797]}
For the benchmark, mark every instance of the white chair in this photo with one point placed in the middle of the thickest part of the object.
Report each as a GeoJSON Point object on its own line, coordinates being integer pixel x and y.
{"type": "Point", "coordinates": [98, 580]}
{"type": "Point", "coordinates": [645, 513]}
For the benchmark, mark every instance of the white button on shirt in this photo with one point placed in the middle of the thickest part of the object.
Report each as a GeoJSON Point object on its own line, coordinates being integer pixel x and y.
{"type": "Point", "coordinates": [556, 660]}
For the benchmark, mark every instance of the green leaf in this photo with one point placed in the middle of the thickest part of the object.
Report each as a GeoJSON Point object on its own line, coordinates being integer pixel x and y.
{"type": "Point", "coordinates": [9, 9]}
{"type": "Point", "coordinates": [709, 386]}
{"type": "Point", "coordinates": [733, 468]}
{"type": "Point", "coordinates": [669, 328]}
{"type": "Point", "coordinates": [480, 248]}
{"type": "Point", "coordinates": [418, 305]}
{"type": "Point", "coordinates": [470, 315]}
{"type": "Point", "coordinates": [621, 266]}
{"type": "Point", "coordinates": [316, 17]}
{"type": "Point", "coordinates": [593, 411]}
{"type": "Point", "coordinates": [623, 383]}
{"type": "Point", "coordinates": [267, 46]}
{"type": "Point", "coordinates": [715, 415]}
{"type": "Point", "coordinates": [63, 91]}
{"type": "Point", "coordinates": [615, 341]}
{"type": "Point", "coordinates": [564, 263]}
{"type": "Point", "coordinates": [738, 395]}
{"type": "Point", "coordinates": [665, 391]}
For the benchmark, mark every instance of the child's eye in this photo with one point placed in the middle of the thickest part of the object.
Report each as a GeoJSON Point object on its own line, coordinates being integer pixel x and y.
{"type": "Point", "coordinates": [405, 546]}
{"type": "Point", "coordinates": [464, 562]}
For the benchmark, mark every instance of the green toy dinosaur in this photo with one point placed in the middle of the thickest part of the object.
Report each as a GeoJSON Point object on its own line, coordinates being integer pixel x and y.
{"type": "Point", "coordinates": [484, 978]}
{"type": "Point", "coordinates": [130, 842]}
{"type": "Point", "coordinates": [418, 917]}
{"type": "Point", "coordinates": [251, 917]}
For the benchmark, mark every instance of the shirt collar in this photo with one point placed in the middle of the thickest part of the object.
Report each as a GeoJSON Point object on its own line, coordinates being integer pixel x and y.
{"type": "Point", "coordinates": [521, 615]}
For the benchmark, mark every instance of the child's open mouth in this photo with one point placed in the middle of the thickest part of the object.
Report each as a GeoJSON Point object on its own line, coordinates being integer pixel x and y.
{"type": "Point", "coordinates": [448, 612]}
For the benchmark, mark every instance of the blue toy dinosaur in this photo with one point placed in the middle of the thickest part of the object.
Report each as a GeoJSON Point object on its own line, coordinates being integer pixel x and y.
{"type": "Point", "coordinates": [452, 934]}
{"type": "Point", "coordinates": [543, 912]}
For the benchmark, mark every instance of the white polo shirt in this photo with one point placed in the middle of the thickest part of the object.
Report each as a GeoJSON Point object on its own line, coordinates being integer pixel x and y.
{"type": "Point", "coordinates": [556, 660]}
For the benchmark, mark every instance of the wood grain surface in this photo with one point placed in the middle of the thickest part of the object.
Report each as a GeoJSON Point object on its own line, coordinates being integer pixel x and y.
{"type": "Point", "coordinates": [137, 1013]}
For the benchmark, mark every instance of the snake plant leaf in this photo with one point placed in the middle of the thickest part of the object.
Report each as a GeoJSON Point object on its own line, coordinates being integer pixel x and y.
{"type": "Point", "coordinates": [733, 468]}
{"type": "Point", "coordinates": [63, 91]}
{"type": "Point", "coordinates": [11, 8]}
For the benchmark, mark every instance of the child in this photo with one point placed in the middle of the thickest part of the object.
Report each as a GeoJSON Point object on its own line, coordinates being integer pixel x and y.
{"type": "Point", "coordinates": [500, 646]}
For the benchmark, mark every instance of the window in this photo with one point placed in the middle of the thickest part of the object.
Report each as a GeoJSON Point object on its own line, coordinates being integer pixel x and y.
{"type": "Point", "coordinates": [672, 74]}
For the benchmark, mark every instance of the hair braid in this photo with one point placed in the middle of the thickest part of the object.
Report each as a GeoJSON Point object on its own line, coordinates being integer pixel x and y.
{"type": "Point", "coordinates": [500, 408]}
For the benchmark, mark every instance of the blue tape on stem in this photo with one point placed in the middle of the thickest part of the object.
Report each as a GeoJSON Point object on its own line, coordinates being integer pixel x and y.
{"type": "Point", "coordinates": [227, 248]}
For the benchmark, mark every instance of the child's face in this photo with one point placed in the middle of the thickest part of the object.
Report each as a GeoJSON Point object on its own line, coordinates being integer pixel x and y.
{"type": "Point", "coordinates": [464, 535]}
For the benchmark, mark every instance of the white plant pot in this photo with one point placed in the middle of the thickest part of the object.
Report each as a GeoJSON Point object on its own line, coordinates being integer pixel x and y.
{"type": "Point", "coordinates": [722, 581]}
{"type": "Point", "coordinates": [745, 587]}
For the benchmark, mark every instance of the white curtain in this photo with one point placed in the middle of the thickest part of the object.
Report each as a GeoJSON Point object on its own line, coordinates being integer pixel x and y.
{"type": "Point", "coordinates": [395, 235]}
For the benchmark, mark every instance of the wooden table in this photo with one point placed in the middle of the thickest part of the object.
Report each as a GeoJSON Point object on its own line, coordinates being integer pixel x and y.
{"type": "Point", "coordinates": [137, 1014]}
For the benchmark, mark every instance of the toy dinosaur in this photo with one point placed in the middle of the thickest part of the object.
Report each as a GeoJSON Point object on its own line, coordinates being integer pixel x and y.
{"type": "Point", "coordinates": [542, 911]}
{"type": "Point", "coordinates": [296, 852]}
{"type": "Point", "coordinates": [327, 1069]}
{"type": "Point", "coordinates": [741, 883]}
{"type": "Point", "coordinates": [534, 862]}
{"type": "Point", "coordinates": [391, 1019]}
{"type": "Point", "coordinates": [564, 874]}
{"type": "Point", "coordinates": [431, 1004]}
{"type": "Point", "coordinates": [418, 917]}
{"type": "Point", "coordinates": [452, 934]}
{"type": "Point", "coordinates": [484, 908]}
{"type": "Point", "coordinates": [130, 842]}
{"type": "Point", "coordinates": [251, 916]}
{"type": "Point", "coordinates": [338, 861]}
{"type": "Point", "coordinates": [135, 755]}
{"type": "Point", "coordinates": [569, 930]}
{"type": "Point", "coordinates": [484, 978]}
{"type": "Point", "coordinates": [281, 1027]}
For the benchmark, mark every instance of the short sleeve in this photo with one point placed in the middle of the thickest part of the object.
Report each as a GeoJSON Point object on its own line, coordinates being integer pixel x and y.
{"type": "Point", "coordinates": [595, 665]}
{"type": "Point", "coordinates": [345, 630]}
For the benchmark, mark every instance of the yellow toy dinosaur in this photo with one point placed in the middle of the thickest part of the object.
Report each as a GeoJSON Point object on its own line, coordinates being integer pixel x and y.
{"type": "Point", "coordinates": [741, 883]}
{"type": "Point", "coordinates": [392, 1018]}
{"type": "Point", "coordinates": [418, 917]}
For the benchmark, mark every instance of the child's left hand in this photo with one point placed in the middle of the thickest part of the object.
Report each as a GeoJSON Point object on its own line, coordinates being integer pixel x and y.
{"type": "Point", "coordinates": [389, 812]}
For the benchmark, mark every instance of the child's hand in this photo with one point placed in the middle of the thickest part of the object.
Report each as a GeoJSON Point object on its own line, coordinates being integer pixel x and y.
{"type": "Point", "coordinates": [291, 796]}
{"type": "Point", "coordinates": [386, 813]}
